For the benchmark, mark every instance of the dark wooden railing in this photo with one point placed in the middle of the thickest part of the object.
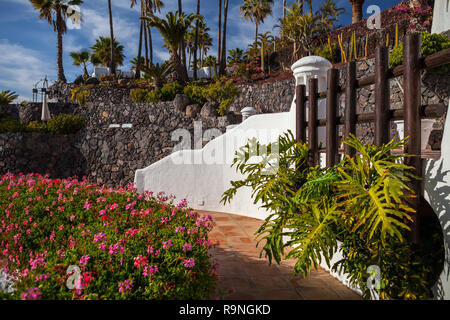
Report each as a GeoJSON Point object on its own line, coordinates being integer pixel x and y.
{"type": "Point", "coordinates": [412, 112]}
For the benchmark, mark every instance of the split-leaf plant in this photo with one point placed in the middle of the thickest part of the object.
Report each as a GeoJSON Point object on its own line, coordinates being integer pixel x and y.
{"type": "Point", "coordinates": [359, 207]}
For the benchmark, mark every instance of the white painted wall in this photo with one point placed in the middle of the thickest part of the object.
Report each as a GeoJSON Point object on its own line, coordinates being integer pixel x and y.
{"type": "Point", "coordinates": [441, 16]}
{"type": "Point", "coordinates": [437, 193]}
{"type": "Point", "coordinates": [201, 182]}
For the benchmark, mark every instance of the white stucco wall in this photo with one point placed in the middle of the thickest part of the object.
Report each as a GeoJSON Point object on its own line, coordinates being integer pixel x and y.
{"type": "Point", "coordinates": [441, 16]}
{"type": "Point", "coordinates": [437, 193]}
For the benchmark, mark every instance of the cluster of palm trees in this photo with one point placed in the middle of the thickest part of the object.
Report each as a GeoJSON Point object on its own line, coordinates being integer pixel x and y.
{"type": "Point", "coordinates": [184, 33]}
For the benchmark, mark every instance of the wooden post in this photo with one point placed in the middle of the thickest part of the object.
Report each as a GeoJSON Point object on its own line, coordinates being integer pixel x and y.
{"type": "Point", "coordinates": [332, 125]}
{"type": "Point", "coordinates": [312, 122]}
{"type": "Point", "coordinates": [300, 103]}
{"type": "Point", "coordinates": [412, 100]}
{"type": "Point", "coordinates": [382, 96]}
{"type": "Point", "coordinates": [350, 106]}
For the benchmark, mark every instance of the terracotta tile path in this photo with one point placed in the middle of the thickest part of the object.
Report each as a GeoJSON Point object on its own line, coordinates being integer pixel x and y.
{"type": "Point", "coordinates": [245, 276]}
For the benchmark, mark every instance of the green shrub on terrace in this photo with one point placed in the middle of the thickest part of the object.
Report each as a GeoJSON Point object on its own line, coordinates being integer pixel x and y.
{"type": "Point", "coordinates": [10, 125]}
{"type": "Point", "coordinates": [65, 124]}
{"type": "Point", "coordinates": [170, 90]}
{"type": "Point", "coordinates": [327, 52]}
{"type": "Point", "coordinates": [196, 93]}
{"type": "Point", "coordinates": [36, 126]}
{"type": "Point", "coordinates": [431, 43]}
{"type": "Point", "coordinates": [224, 94]}
{"type": "Point", "coordinates": [139, 95]}
{"type": "Point", "coordinates": [80, 95]}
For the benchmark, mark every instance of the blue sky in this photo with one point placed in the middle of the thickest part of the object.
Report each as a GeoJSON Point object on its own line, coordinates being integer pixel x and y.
{"type": "Point", "coordinates": [28, 44]}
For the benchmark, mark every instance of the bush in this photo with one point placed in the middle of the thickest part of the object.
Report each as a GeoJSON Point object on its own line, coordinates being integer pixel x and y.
{"type": "Point", "coordinates": [431, 43]}
{"type": "Point", "coordinates": [120, 244]}
{"type": "Point", "coordinates": [224, 94]}
{"type": "Point", "coordinates": [36, 126]}
{"type": "Point", "coordinates": [10, 125]}
{"type": "Point", "coordinates": [170, 90]}
{"type": "Point", "coordinates": [65, 124]}
{"type": "Point", "coordinates": [327, 52]}
{"type": "Point", "coordinates": [361, 202]}
{"type": "Point", "coordinates": [139, 95]}
{"type": "Point", "coordinates": [80, 95]}
{"type": "Point", "coordinates": [196, 93]}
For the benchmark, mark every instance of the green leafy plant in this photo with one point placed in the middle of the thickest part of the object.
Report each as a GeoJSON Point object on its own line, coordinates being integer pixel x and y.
{"type": "Point", "coordinates": [360, 203]}
{"type": "Point", "coordinates": [7, 97]}
{"type": "Point", "coordinates": [158, 73]}
{"type": "Point", "coordinates": [431, 43]}
{"type": "Point", "coordinates": [36, 126]}
{"type": "Point", "coordinates": [224, 94]}
{"type": "Point", "coordinates": [65, 124]}
{"type": "Point", "coordinates": [196, 93]}
{"type": "Point", "coordinates": [139, 95]}
{"type": "Point", "coordinates": [80, 95]}
{"type": "Point", "coordinates": [170, 90]}
{"type": "Point", "coordinates": [10, 125]}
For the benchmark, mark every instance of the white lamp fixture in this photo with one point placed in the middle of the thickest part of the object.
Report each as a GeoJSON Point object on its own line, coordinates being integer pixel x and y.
{"type": "Point", "coordinates": [427, 127]}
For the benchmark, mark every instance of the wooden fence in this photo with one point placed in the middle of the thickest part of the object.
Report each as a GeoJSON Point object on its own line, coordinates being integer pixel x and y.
{"type": "Point", "coordinates": [412, 112]}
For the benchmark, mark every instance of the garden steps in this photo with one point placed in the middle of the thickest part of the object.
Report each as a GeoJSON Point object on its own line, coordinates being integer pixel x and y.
{"type": "Point", "coordinates": [246, 276]}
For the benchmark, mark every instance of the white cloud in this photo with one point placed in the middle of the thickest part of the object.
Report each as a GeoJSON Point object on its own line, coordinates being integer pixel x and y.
{"type": "Point", "coordinates": [21, 68]}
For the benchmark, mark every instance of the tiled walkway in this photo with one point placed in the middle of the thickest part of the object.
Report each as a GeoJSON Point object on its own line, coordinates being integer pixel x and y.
{"type": "Point", "coordinates": [245, 276]}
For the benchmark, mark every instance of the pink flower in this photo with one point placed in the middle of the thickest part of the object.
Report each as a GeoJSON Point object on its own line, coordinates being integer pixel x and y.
{"type": "Point", "coordinates": [126, 285]}
{"type": "Point", "coordinates": [33, 294]}
{"type": "Point", "coordinates": [149, 270]}
{"type": "Point", "coordinates": [140, 261]}
{"type": "Point", "coordinates": [167, 245]}
{"type": "Point", "coordinates": [84, 260]}
{"type": "Point", "coordinates": [87, 205]}
{"type": "Point", "coordinates": [187, 247]}
{"type": "Point", "coordinates": [189, 263]}
{"type": "Point", "coordinates": [100, 237]}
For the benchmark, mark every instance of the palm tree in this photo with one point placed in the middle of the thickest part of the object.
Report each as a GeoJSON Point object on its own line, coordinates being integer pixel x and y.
{"type": "Point", "coordinates": [236, 56]}
{"type": "Point", "coordinates": [81, 58]}
{"type": "Point", "coordinates": [102, 52]}
{"type": "Point", "coordinates": [7, 97]}
{"type": "Point", "coordinates": [196, 41]}
{"type": "Point", "coordinates": [150, 6]}
{"type": "Point", "coordinates": [256, 11]}
{"type": "Point", "coordinates": [137, 62]}
{"type": "Point", "coordinates": [357, 10]}
{"type": "Point", "coordinates": [112, 68]}
{"type": "Point", "coordinates": [55, 12]}
{"type": "Point", "coordinates": [265, 39]}
{"type": "Point", "coordinates": [210, 62]}
{"type": "Point", "coordinates": [219, 36]}
{"type": "Point", "coordinates": [158, 73]}
{"type": "Point", "coordinates": [223, 47]}
{"type": "Point", "coordinates": [172, 29]}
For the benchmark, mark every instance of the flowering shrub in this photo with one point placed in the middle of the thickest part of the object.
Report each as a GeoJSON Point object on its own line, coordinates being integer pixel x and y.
{"type": "Point", "coordinates": [69, 239]}
{"type": "Point", "coordinates": [420, 16]}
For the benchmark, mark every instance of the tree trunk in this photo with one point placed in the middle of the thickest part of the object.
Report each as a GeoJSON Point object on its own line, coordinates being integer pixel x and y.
{"type": "Point", "coordinates": [111, 29]}
{"type": "Point", "coordinates": [219, 36]}
{"type": "Point", "coordinates": [310, 7]}
{"type": "Point", "coordinates": [146, 43]}
{"type": "Point", "coordinates": [86, 74]}
{"type": "Point", "coordinates": [59, 57]}
{"type": "Point", "coordinates": [150, 45]}
{"type": "Point", "coordinates": [224, 38]}
{"type": "Point", "coordinates": [138, 67]}
{"type": "Point", "coordinates": [183, 43]}
{"type": "Point", "coordinates": [284, 9]}
{"type": "Point", "coordinates": [180, 75]}
{"type": "Point", "coordinates": [196, 42]}
{"type": "Point", "coordinates": [256, 35]}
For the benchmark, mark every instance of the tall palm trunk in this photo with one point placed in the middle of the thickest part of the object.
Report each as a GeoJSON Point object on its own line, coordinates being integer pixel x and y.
{"type": "Point", "coordinates": [196, 42]}
{"type": "Point", "coordinates": [310, 6]}
{"type": "Point", "coordinates": [224, 38]}
{"type": "Point", "coordinates": [180, 70]}
{"type": "Point", "coordinates": [59, 57]}
{"type": "Point", "coordinates": [150, 45]}
{"type": "Point", "coordinates": [111, 29]}
{"type": "Point", "coordinates": [256, 34]}
{"type": "Point", "coordinates": [219, 37]}
{"type": "Point", "coordinates": [138, 67]}
{"type": "Point", "coordinates": [146, 43]}
{"type": "Point", "coordinates": [284, 9]}
{"type": "Point", "coordinates": [183, 43]}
